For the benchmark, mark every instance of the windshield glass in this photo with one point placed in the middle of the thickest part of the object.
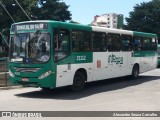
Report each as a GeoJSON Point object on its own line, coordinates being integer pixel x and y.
{"type": "Point", "coordinates": [30, 47]}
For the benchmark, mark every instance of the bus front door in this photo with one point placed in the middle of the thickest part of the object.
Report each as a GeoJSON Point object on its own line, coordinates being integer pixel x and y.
{"type": "Point", "coordinates": [61, 56]}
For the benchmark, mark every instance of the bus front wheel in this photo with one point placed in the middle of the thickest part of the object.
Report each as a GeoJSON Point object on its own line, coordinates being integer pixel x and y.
{"type": "Point", "coordinates": [79, 82]}
{"type": "Point", "coordinates": [135, 72]}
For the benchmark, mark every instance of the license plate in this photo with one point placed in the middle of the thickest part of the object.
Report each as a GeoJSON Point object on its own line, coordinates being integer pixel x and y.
{"type": "Point", "coordinates": [25, 79]}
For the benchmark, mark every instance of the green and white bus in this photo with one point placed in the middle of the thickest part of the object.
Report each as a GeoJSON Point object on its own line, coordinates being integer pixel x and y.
{"type": "Point", "coordinates": [50, 54]}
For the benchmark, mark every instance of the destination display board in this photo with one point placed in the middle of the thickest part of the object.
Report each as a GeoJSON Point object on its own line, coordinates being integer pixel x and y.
{"type": "Point", "coordinates": [29, 26]}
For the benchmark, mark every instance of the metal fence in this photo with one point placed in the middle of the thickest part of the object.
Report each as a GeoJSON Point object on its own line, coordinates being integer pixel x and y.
{"type": "Point", "coordinates": [4, 79]}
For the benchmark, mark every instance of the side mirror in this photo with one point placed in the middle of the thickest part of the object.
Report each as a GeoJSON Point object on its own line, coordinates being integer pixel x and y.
{"type": "Point", "coordinates": [5, 36]}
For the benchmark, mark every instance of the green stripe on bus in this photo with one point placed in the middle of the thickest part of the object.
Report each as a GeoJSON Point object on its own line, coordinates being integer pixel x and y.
{"type": "Point", "coordinates": [77, 57]}
{"type": "Point", "coordinates": [144, 53]}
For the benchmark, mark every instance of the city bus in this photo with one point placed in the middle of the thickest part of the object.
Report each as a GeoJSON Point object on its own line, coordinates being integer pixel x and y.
{"type": "Point", "coordinates": [51, 54]}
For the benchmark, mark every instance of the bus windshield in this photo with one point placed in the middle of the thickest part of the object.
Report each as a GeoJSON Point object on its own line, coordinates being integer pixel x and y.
{"type": "Point", "coordinates": [30, 47]}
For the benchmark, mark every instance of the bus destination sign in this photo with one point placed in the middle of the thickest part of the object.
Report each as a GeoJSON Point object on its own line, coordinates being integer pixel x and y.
{"type": "Point", "coordinates": [35, 26]}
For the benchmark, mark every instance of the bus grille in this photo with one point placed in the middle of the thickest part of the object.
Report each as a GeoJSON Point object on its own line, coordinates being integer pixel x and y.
{"type": "Point", "coordinates": [26, 69]}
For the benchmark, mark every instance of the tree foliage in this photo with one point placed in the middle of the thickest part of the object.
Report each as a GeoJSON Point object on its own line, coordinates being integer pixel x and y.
{"type": "Point", "coordinates": [36, 9]}
{"type": "Point", "coordinates": [145, 17]}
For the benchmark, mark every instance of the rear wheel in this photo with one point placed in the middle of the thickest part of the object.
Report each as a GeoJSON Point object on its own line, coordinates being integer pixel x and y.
{"type": "Point", "coordinates": [135, 72]}
{"type": "Point", "coordinates": [78, 82]}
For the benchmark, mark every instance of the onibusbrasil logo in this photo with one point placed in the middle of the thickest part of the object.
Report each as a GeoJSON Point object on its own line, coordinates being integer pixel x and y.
{"type": "Point", "coordinates": [21, 114]}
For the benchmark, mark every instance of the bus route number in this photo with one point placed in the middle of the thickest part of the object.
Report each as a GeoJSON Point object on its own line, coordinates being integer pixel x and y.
{"type": "Point", "coordinates": [81, 58]}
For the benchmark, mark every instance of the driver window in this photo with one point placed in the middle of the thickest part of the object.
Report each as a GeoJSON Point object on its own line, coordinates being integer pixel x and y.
{"type": "Point", "coordinates": [61, 44]}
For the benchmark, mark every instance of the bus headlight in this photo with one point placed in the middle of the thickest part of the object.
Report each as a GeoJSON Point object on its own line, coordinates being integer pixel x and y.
{"type": "Point", "coordinates": [11, 74]}
{"type": "Point", "coordinates": [45, 75]}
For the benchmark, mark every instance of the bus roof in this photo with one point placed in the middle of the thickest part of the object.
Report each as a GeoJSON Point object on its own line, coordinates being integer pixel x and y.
{"type": "Point", "coordinates": [94, 28]}
{"type": "Point", "coordinates": [143, 34]}
{"type": "Point", "coordinates": [112, 30]}
{"type": "Point", "coordinates": [126, 32]}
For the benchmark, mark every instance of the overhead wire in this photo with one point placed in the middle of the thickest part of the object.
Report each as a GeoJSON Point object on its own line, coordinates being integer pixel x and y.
{"type": "Point", "coordinates": [23, 10]}
{"type": "Point", "coordinates": [7, 11]}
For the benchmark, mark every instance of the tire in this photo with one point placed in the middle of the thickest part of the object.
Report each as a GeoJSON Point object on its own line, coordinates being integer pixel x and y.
{"type": "Point", "coordinates": [135, 72]}
{"type": "Point", "coordinates": [79, 82]}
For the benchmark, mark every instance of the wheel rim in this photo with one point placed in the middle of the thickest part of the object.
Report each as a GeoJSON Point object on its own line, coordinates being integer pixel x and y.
{"type": "Point", "coordinates": [78, 82]}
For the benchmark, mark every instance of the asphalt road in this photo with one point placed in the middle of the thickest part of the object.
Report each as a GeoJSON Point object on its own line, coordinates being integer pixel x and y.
{"type": "Point", "coordinates": [120, 94]}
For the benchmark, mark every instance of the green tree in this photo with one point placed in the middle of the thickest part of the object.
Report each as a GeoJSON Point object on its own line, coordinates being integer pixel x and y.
{"type": "Point", "coordinates": [36, 9]}
{"type": "Point", "coordinates": [145, 17]}
{"type": "Point", "coordinates": [52, 9]}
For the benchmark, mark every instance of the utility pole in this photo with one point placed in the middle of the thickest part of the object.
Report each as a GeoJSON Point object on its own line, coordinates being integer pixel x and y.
{"type": "Point", "coordinates": [23, 10]}
{"type": "Point", "coordinates": [7, 11]}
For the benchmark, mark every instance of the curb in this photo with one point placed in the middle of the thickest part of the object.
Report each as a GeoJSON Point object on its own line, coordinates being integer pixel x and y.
{"type": "Point", "coordinates": [10, 87]}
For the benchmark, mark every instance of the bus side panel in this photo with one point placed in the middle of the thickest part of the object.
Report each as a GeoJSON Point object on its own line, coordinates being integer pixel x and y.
{"type": "Point", "coordinates": [112, 64]}
{"type": "Point", "coordinates": [63, 75]}
{"type": "Point", "coordinates": [147, 60]}
{"type": "Point", "coordinates": [67, 67]}
{"type": "Point", "coordinates": [101, 68]}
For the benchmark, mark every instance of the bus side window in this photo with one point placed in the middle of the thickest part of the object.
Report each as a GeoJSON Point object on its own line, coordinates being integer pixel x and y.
{"type": "Point", "coordinates": [99, 41]}
{"type": "Point", "coordinates": [146, 45]}
{"type": "Point", "coordinates": [153, 44]}
{"type": "Point", "coordinates": [81, 41]}
{"type": "Point", "coordinates": [137, 45]}
{"type": "Point", "coordinates": [126, 42]}
{"type": "Point", "coordinates": [114, 42]}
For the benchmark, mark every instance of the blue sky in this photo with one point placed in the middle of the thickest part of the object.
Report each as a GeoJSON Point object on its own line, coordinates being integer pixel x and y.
{"type": "Point", "coordinates": [83, 11]}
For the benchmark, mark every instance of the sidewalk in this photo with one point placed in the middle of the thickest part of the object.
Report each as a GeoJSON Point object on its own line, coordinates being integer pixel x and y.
{"type": "Point", "coordinates": [6, 85]}
{"type": "Point", "coordinates": [1, 73]}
